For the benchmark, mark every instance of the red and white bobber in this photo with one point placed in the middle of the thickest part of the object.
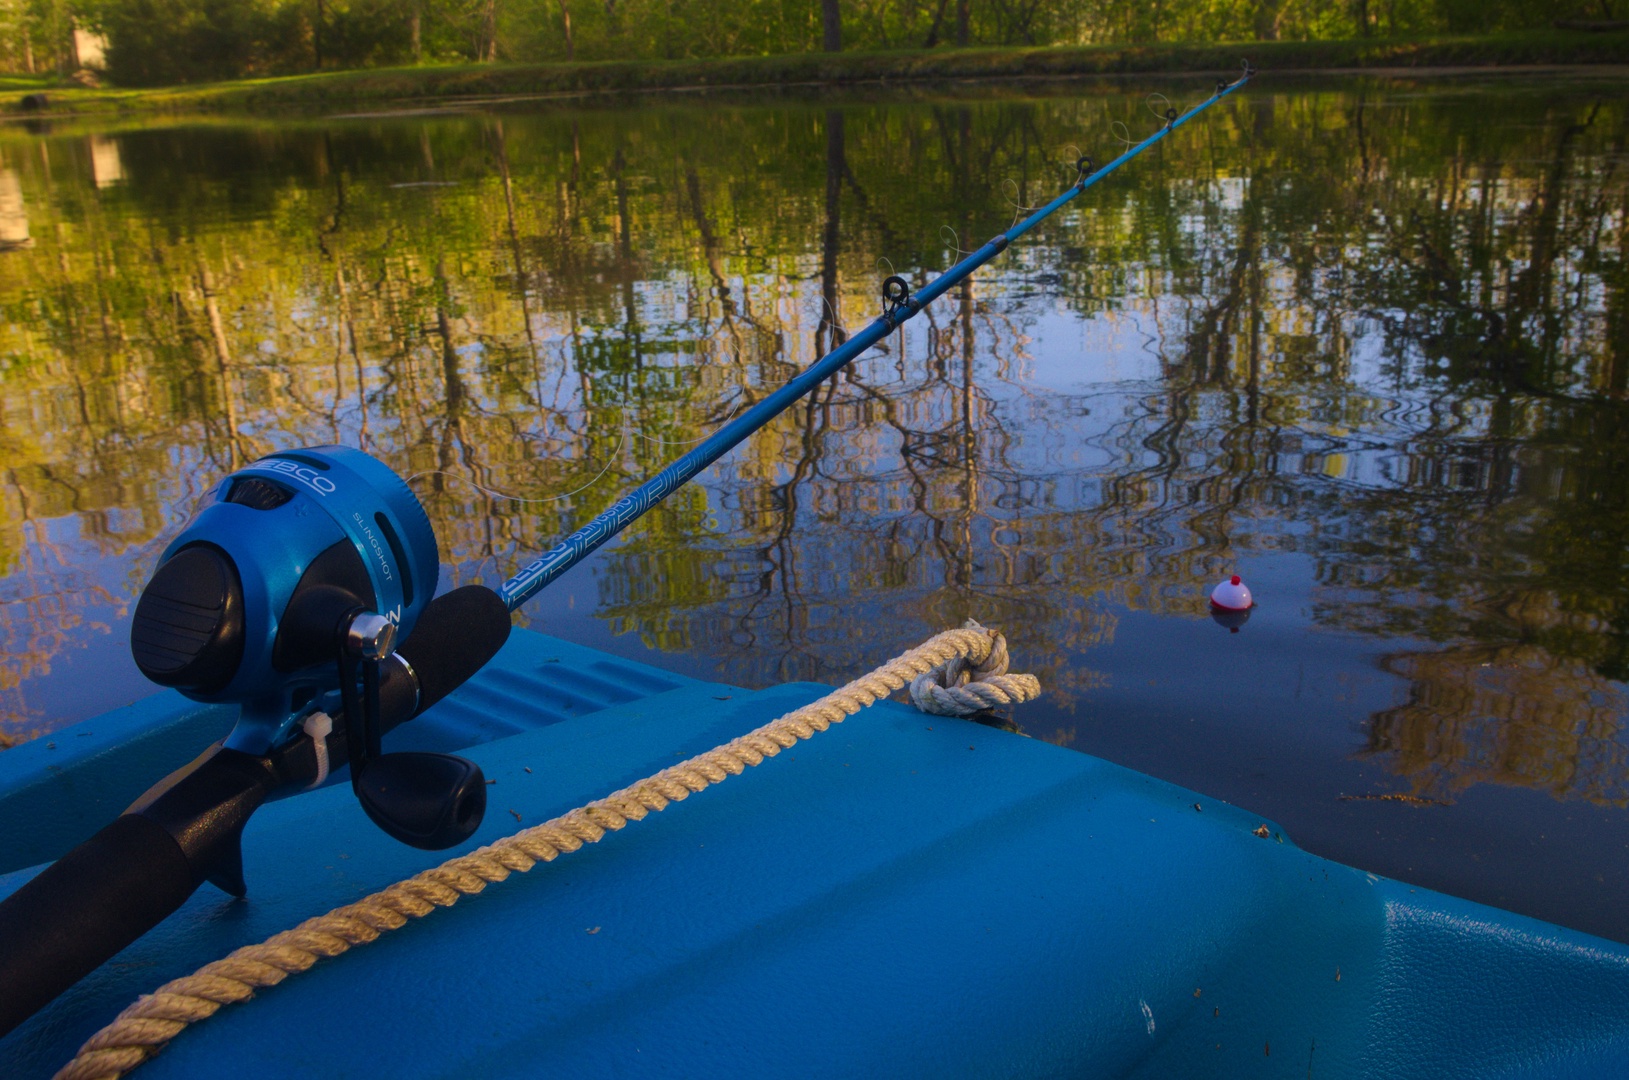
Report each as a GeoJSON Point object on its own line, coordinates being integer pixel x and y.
{"type": "Point", "coordinates": [1230, 603]}
{"type": "Point", "coordinates": [1232, 595]}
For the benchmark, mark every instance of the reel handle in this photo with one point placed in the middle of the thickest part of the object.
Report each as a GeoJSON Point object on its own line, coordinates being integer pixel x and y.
{"type": "Point", "coordinates": [429, 801]}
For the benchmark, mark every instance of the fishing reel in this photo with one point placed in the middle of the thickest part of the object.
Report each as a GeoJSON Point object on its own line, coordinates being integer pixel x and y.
{"type": "Point", "coordinates": [287, 595]}
{"type": "Point", "coordinates": [302, 592]}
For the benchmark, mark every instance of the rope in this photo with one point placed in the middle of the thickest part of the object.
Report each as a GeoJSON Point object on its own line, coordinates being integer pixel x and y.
{"type": "Point", "coordinates": [962, 686]}
{"type": "Point", "coordinates": [148, 1025]}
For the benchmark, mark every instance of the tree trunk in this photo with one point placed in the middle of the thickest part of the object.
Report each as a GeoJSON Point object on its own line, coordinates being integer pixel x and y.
{"type": "Point", "coordinates": [829, 334]}
{"type": "Point", "coordinates": [489, 30]}
{"type": "Point", "coordinates": [1266, 20]}
{"type": "Point", "coordinates": [28, 50]}
{"type": "Point", "coordinates": [962, 14]}
{"type": "Point", "coordinates": [414, 23]}
{"type": "Point", "coordinates": [565, 16]}
{"type": "Point", "coordinates": [831, 17]}
{"type": "Point", "coordinates": [938, 21]}
{"type": "Point", "coordinates": [223, 360]}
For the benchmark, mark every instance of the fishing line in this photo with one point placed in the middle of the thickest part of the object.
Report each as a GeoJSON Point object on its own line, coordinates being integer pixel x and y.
{"type": "Point", "coordinates": [1072, 154]}
{"type": "Point", "coordinates": [622, 441]}
{"type": "Point", "coordinates": [831, 311]}
{"type": "Point", "coordinates": [1017, 209]}
{"type": "Point", "coordinates": [954, 240]}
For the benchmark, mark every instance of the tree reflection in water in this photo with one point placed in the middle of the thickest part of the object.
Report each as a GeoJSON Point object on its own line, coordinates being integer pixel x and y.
{"type": "Point", "coordinates": [1381, 331]}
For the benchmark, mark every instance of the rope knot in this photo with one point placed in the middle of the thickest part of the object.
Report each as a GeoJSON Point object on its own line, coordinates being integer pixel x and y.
{"type": "Point", "coordinates": [961, 687]}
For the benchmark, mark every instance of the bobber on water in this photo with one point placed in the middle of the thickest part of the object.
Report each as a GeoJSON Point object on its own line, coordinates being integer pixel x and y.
{"type": "Point", "coordinates": [1230, 603]}
{"type": "Point", "coordinates": [1232, 595]}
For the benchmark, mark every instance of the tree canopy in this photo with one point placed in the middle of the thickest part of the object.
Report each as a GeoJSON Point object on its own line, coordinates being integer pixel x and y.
{"type": "Point", "coordinates": [169, 41]}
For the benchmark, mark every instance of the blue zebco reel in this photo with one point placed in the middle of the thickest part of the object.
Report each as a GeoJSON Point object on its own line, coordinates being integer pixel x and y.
{"type": "Point", "coordinates": [287, 595]}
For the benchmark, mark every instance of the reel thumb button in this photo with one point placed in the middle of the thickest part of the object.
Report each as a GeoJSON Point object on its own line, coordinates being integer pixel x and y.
{"type": "Point", "coordinates": [188, 628]}
{"type": "Point", "coordinates": [258, 494]}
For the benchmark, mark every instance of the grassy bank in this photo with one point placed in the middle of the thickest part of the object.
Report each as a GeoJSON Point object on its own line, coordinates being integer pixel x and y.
{"type": "Point", "coordinates": [422, 84]}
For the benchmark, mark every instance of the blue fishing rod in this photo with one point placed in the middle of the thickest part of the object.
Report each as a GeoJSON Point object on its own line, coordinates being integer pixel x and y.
{"type": "Point", "coordinates": [304, 593]}
{"type": "Point", "coordinates": [899, 305]}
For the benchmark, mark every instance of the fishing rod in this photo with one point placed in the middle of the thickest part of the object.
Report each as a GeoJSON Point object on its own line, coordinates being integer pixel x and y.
{"type": "Point", "coordinates": [303, 592]}
{"type": "Point", "coordinates": [899, 305]}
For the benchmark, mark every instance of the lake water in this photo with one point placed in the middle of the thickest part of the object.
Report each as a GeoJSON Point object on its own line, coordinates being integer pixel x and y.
{"type": "Point", "coordinates": [1364, 342]}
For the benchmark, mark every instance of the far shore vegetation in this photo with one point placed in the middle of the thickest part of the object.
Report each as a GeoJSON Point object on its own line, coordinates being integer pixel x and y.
{"type": "Point", "coordinates": [113, 55]}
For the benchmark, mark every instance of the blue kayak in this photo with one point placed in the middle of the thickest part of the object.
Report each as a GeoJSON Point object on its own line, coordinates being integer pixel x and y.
{"type": "Point", "coordinates": [903, 895]}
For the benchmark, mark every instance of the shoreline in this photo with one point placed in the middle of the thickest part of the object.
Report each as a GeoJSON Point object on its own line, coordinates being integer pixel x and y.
{"type": "Point", "coordinates": [442, 106]}
{"type": "Point", "coordinates": [1546, 52]}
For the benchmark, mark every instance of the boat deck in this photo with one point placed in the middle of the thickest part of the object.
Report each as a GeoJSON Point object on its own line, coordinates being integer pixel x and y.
{"type": "Point", "coordinates": [902, 895]}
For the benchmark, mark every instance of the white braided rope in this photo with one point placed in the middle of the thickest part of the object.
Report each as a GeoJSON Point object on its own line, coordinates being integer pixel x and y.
{"type": "Point", "coordinates": [148, 1025]}
{"type": "Point", "coordinates": [962, 686]}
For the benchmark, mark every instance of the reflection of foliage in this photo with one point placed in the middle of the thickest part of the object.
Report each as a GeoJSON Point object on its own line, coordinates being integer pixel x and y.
{"type": "Point", "coordinates": [1507, 714]}
{"type": "Point", "coordinates": [1386, 335]}
{"type": "Point", "coordinates": [1497, 513]}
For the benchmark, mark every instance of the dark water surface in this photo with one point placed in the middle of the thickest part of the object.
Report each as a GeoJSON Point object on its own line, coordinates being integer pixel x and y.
{"type": "Point", "coordinates": [1366, 343]}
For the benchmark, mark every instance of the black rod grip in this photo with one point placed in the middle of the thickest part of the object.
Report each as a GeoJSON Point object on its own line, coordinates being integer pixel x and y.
{"type": "Point", "coordinates": [454, 638]}
{"type": "Point", "coordinates": [113, 888]}
{"type": "Point", "coordinates": [84, 908]}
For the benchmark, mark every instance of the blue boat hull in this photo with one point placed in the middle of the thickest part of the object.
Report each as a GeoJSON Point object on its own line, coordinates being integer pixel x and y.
{"type": "Point", "coordinates": [902, 895]}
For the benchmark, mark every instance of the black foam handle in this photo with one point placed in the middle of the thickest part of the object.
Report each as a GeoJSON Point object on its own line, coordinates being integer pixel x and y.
{"type": "Point", "coordinates": [454, 638]}
{"type": "Point", "coordinates": [84, 908]}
